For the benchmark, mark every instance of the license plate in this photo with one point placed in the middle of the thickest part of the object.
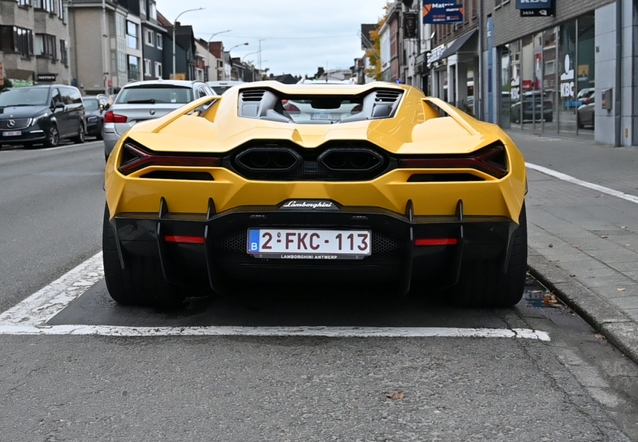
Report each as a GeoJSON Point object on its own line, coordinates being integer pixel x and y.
{"type": "Point", "coordinates": [309, 244]}
{"type": "Point", "coordinates": [324, 117]}
{"type": "Point", "coordinates": [13, 133]}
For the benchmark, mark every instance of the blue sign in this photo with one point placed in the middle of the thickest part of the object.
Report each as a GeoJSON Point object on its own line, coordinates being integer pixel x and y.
{"type": "Point", "coordinates": [442, 12]}
{"type": "Point", "coordinates": [535, 8]}
{"type": "Point", "coordinates": [534, 4]}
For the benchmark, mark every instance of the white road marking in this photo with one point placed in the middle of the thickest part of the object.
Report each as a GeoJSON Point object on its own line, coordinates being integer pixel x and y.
{"type": "Point", "coordinates": [571, 179]}
{"type": "Point", "coordinates": [30, 317]}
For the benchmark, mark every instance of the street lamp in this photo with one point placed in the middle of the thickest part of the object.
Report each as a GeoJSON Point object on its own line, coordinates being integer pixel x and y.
{"type": "Point", "coordinates": [208, 49]}
{"type": "Point", "coordinates": [174, 26]}
{"type": "Point", "coordinates": [231, 58]}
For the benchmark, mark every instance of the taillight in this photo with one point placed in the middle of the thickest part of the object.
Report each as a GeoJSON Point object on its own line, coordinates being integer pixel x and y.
{"type": "Point", "coordinates": [135, 157]}
{"type": "Point", "coordinates": [111, 117]}
{"type": "Point", "coordinates": [289, 107]}
{"type": "Point", "coordinates": [491, 159]}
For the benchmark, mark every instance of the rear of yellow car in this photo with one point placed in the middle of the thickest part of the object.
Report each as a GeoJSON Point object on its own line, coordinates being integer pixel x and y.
{"type": "Point", "coordinates": [403, 192]}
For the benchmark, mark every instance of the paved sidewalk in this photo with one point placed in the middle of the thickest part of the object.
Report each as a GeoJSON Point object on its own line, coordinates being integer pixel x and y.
{"type": "Point", "coordinates": [583, 229]}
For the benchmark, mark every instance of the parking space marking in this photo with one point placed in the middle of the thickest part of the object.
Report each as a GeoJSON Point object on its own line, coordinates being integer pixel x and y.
{"type": "Point", "coordinates": [571, 179]}
{"type": "Point", "coordinates": [30, 317]}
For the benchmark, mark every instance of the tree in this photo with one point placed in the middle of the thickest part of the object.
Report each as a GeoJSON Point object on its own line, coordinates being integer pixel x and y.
{"type": "Point", "coordinates": [374, 54]}
{"type": "Point", "coordinates": [7, 84]}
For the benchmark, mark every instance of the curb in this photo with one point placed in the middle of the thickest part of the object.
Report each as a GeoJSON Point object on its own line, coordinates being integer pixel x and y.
{"type": "Point", "coordinates": [617, 328]}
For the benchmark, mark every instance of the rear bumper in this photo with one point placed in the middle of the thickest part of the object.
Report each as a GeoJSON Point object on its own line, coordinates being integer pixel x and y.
{"type": "Point", "coordinates": [220, 260]}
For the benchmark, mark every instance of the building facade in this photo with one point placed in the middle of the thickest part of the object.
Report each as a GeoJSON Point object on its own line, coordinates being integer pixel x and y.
{"type": "Point", "coordinates": [34, 42]}
{"type": "Point", "coordinates": [570, 71]}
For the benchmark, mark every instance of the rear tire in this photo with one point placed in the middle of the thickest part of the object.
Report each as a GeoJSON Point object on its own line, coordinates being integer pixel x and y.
{"type": "Point", "coordinates": [483, 283]}
{"type": "Point", "coordinates": [141, 282]}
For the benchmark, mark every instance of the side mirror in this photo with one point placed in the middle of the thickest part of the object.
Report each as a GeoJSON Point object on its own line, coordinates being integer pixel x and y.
{"type": "Point", "coordinates": [58, 105]}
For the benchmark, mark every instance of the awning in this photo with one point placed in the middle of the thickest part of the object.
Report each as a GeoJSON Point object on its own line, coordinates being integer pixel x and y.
{"type": "Point", "coordinates": [465, 43]}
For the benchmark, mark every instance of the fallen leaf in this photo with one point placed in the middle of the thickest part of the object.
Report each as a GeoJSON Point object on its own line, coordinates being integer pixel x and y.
{"type": "Point", "coordinates": [551, 245]}
{"type": "Point", "coordinates": [620, 289]}
{"type": "Point", "coordinates": [550, 299]}
{"type": "Point", "coordinates": [576, 246]}
{"type": "Point", "coordinates": [572, 275]}
{"type": "Point", "coordinates": [600, 336]}
{"type": "Point", "coordinates": [395, 396]}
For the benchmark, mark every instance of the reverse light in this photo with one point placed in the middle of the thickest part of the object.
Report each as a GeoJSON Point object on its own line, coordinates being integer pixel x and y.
{"type": "Point", "coordinates": [136, 157]}
{"type": "Point", "coordinates": [111, 117]}
{"type": "Point", "coordinates": [491, 160]}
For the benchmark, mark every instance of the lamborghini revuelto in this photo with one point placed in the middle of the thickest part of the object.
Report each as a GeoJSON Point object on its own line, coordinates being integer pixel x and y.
{"type": "Point", "coordinates": [371, 185]}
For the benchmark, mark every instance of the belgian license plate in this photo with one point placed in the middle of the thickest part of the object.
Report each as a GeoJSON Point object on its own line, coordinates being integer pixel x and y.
{"type": "Point", "coordinates": [309, 243]}
{"type": "Point", "coordinates": [13, 133]}
{"type": "Point", "coordinates": [324, 116]}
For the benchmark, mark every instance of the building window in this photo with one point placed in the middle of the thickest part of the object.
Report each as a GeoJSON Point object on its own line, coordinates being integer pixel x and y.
{"type": "Point", "coordinates": [45, 46]}
{"type": "Point", "coordinates": [153, 9]}
{"type": "Point", "coordinates": [143, 7]}
{"type": "Point", "coordinates": [61, 9]}
{"type": "Point", "coordinates": [133, 68]}
{"type": "Point", "coordinates": [148, 71]}
{"type": "Point", "coordinates": [119, 26]}
{"type": "Point", "coordinates": [158, 69]}
{"type": "Point", "coordinates": [131, 35]}
{"type": "Point", "coordinates": [45, 5]}
{"type": "Point", "coordinates": [160, 40]}
{"type": "Point", "coordinates": [16, 39]}
{"type": "Point", "coordinates": [150, 37]}
{"type": "Point", "coordinates": [24, 3]}
{"type": "Point", "coordinates": [64, 55]}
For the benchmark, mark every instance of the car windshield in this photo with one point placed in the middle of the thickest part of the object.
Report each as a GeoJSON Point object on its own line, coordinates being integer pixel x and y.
{"type": "Point", "coordinates": [151, 94]}
{"type": "Point", "coordinates": [90, 104]}
{"type": "Point", "coordinates": [24, 97]}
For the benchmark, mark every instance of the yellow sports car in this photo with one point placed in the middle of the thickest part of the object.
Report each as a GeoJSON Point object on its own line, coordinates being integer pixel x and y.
{"type": "Point", "coordinates": [308, 185]}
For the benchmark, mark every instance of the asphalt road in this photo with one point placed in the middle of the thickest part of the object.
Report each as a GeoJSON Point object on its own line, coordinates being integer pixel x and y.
{"type": "Point", "coordinates": [102, 387]}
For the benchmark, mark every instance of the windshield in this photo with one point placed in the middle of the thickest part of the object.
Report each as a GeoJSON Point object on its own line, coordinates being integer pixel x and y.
{"type": "Point", "coordinates": [220, 89]}
{"type": "Point", "coordinates": [24, 97]}
{"type": "Point", "coordinates": [90, 104]}
{"type": "Point", "coordinates": [155, 94]}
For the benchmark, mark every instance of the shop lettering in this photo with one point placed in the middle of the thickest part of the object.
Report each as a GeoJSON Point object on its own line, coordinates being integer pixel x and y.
{"type": "Point", "coordinates": [567, 89]}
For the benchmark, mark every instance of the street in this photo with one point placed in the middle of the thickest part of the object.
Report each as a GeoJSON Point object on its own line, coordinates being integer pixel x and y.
{"type": "Point", "coordinates": [288, 367]}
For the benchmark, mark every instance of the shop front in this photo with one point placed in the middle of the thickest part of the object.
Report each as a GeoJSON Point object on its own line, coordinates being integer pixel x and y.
{"type": "Point", "coordinates": [548, 79]}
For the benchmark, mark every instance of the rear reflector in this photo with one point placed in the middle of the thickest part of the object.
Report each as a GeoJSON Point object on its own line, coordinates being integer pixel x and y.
{"type": "Point", "coordinates": [435, 242]}
{"type": "Point", "coordinates": [185, 239]}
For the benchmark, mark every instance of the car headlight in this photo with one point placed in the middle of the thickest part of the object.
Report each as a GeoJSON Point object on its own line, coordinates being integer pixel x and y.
{"type": "Point", "coordinates": [39, 118]}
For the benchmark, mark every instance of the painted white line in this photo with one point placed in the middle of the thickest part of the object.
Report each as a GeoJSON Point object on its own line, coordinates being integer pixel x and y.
{"type": "Point", "coordinates": [571, 179]}
{"type": "Point", "coordinates": [47, 302]}
{"type": "Point", "coordinates": [30, 316]}
{"type": "Point", "coordinates": [331, 332]}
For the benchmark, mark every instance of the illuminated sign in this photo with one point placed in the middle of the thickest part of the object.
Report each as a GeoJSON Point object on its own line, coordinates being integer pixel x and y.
{"type": "Point", "coordinates": [535, 8]}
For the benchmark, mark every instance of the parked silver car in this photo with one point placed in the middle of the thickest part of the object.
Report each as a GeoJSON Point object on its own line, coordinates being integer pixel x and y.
{"type": "Point", "coordinates": [146, 100]}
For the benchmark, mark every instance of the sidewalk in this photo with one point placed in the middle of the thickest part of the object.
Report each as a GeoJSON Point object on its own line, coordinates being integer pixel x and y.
{"type": "Point", "coordinates": [583, 229]}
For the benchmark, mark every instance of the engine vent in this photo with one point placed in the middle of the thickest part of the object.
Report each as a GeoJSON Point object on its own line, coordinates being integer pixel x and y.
{"type": "Point", "coordinates": [254, 95]}
{"type": "Point", "coordinates": [388, 96]}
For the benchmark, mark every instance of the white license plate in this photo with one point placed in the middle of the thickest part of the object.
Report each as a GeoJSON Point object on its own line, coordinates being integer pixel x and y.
{"type": "Point", "coordinates": [309, 244]}
{"type": "Point", "coordinates": [13, 133]}
{"type": "Point", "coordinates": [325, 117]}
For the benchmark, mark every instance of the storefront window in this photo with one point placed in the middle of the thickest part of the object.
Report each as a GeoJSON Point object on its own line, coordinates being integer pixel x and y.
{"type": "Point", "coordinates": [549, 92]}
{"type": "Point", "coordinates": [566, 77]}
{"type": "Point", "coordinates": [585, 75]}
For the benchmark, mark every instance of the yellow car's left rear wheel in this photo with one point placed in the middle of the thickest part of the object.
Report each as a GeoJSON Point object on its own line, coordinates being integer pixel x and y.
{"type": "Point", "coordinates": [141, 282]}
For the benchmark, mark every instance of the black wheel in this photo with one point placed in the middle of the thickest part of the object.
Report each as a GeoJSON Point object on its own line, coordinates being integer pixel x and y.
{"type": "Point", "coordinates": [141, 282]}
{"type": "Point", "coordinates": [53, 137]}
{"type": "Point", "coordinates": [100, 134]}
{"type": "Point", "coordinates": [483, 283]}
{"type": "Point", "coordinates": [79, 138]}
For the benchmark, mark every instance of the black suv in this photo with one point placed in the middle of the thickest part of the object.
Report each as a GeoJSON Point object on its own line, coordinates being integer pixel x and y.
{"type": "Point", "coordinates": [41, 115]}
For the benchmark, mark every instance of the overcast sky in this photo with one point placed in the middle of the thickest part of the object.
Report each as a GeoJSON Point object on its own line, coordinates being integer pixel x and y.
{"type": "Point", "coordinates": [297, 36]}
